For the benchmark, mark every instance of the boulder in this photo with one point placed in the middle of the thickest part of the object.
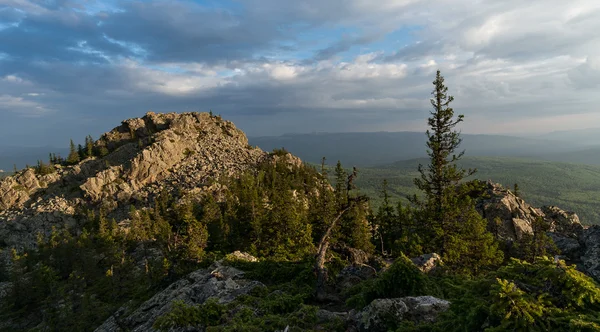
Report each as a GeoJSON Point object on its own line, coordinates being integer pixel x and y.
{"type": "Point", "coordinates": [427, 262]}
{"type": "Point", "coordinates": [383, 314]}
{"type": "Point", "coordinates": [352, 275]}
{"type": "Point", "coordinates": [241, 256]}
{"type": "Point", "coordinates": [224, 283]}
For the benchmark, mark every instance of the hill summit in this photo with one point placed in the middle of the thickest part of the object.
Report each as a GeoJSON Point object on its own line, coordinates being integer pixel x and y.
{"type": "Point", "coordinates": [183, 152]}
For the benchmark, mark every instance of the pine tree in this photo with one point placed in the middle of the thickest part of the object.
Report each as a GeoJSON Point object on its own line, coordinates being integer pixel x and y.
{"type": "Point", "coordinates": [340, 184]}
{"type": "Point", "coordinates": [386, 227]}
{"type": "Point", "coordinates": [89, 146]}
{"type": "Point", "coordinates": [73, 157]}
{"type": "Point", "coordinates": [449, 223]}
{"type": "Point", "coordinates": [81, 152]}
{"type": "Point", "coordinates": [439, 179]}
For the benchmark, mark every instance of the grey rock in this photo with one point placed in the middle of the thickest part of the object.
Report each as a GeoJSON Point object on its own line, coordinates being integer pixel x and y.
{"type": "Point", "coordinates": [352, 275]}
{"type": "Point", "coordinates": [590, 260]}
{"type": "Point", "coordinates": [517, 217]}
{"type": "Point", "coordinates": [569, 247]}
{"type": "Point", "coordinates": [224, 283]}
{"type": "Point", "coordinates": [382, 314]}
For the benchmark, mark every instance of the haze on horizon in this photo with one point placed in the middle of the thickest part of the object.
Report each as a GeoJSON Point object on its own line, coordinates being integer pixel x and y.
{"type": "Point", "coordinates": [72, 68]}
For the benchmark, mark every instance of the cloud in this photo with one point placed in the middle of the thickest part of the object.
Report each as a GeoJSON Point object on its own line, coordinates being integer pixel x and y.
{"type": "Point", "coordinates": [277, 66]}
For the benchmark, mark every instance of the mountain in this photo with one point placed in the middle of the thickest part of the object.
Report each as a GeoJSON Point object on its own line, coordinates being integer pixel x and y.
{"type": "Point", "coordinates": [173, 222]}
{"type": "Point", "coordinates": [159, 152]}
{"type": "Point", "coordinates": [571, 186]}
{"type": "Point", "coordinates": [370, 149]}
{"type": "Point", "coordinates": [583, 137]}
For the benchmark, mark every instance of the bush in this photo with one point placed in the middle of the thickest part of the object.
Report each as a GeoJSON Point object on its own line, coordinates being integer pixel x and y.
{"type": "Point", "coordinates": [403, 278]}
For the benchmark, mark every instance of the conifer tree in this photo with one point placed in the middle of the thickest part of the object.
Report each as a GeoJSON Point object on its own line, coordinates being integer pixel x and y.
{"type": "Point", "coordinates": [81, 152]}
{"type": "Point", "coordinates": [449, 223]}
{"type": "Point", "coordinates": [340, 184]}
{"type": "Point", "coordinates": [442, 175]}
{"type": "Point", "coordinates": [386, 222]}
{"type": "Point", "coordinates": [73, 157]}
{"type": "Point", "coordinates": [89, 146]}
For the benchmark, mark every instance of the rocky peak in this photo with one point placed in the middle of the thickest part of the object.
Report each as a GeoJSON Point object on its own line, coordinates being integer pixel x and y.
{"type": "Point", "coordinates": [181, 152]}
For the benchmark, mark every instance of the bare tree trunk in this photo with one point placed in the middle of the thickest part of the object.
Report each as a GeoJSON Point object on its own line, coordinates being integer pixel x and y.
{"type": "Point", "coordinates": [320, 268]}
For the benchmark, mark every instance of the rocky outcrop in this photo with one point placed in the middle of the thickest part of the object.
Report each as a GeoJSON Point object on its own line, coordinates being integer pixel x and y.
{"type": "Point", "coordinates": [382, 314]}
{"type": "Point", "coordinates": [223, 283]}
{"type": "Point", "coordinates": [516, 216]}
{"type": "Point", "coordinates": [172, 150]}
{"type": "Point", "coordinates": [177, 153]}
{"type": "Point", "coordinates": [578, 244]}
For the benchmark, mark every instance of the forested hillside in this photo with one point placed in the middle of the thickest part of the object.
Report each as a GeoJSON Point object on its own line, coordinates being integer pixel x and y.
{"type": "Point", "coordinates": [571, 186]}
{"type": "Point", "coordinates": [374, 149]}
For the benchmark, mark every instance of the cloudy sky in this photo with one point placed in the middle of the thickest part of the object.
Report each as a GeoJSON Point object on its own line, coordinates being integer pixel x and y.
{"type": "Point", "coordinates": [69, 68]}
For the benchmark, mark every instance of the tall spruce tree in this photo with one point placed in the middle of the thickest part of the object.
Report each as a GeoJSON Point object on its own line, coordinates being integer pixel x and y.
{"type": "Point", "coordinates": [449, 223]}
{"type": "Point", "coordinates": [442, 175]}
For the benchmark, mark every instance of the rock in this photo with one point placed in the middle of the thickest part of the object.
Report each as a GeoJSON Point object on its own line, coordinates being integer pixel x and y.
{"type": "Point", "coordinates": [569, 247]}
{"type": "Point", "coordinates": [562, 222]}
{"type": "Point", "coordinates": [427, 262]}
{"type": "Point", "coordinates": [352, 275]}
{"type": "Point", "coordinates": [383, 314]}
{"type": "Point", "coordinates": [517, 217]}
{"type": "Point", "coordinates": [328, 316]}
{"type": "Point", "coordinates": [173, 152]}
{"type": "Point", "coordinates": [241, 256]}
{"type": "Point", "coordinates": [353, 255]}
{"type": "Point", "coordinates": [590, 260]}
{"type": "Point", "coordinates": [521, 227]}
{"type": "Point", "coordinates": [224, 283]}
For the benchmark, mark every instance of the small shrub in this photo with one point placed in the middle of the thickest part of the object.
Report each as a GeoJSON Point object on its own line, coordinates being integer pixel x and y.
{"type": "Point", "coordinates": [402, 278]}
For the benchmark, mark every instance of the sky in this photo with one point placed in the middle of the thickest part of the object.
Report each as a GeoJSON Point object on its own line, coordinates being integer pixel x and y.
{"type": "Point", "coordinates": [73, 68]}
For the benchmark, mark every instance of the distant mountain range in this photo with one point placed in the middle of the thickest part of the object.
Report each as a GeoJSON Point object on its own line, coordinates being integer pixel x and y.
{"type": "Point", "coordinates": [379, 148]}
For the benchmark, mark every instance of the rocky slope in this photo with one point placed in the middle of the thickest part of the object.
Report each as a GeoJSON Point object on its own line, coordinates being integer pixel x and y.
{"type": "Point", "coordinates": [578, 244]}
{"type": "Point", "coordinates": [144, 156]}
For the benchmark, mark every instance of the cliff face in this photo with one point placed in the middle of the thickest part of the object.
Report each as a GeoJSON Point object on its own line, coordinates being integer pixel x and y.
{"type": "Point", "coordinates": [173, 152]}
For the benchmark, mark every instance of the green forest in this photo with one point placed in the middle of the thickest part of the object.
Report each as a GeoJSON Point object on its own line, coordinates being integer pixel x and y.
{"type": "Point", "coordinates": [573, 187]}
{"type": "Point", "coordinates": [300, 221]}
